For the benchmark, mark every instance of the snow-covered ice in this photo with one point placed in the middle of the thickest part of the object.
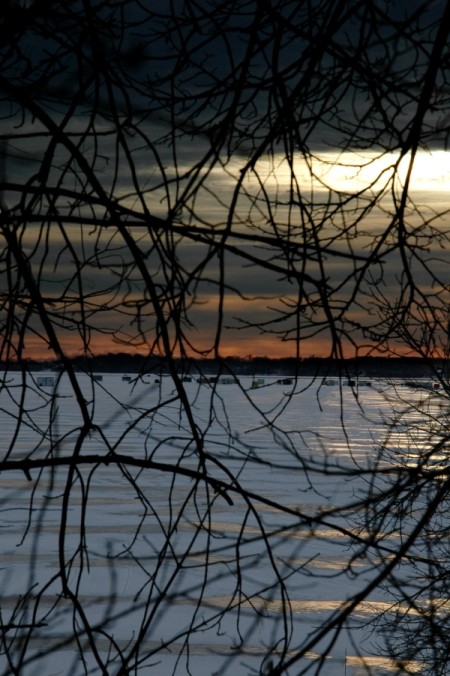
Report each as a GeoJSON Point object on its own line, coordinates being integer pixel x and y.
{"type": "Point", "coordinates": [149, 550]}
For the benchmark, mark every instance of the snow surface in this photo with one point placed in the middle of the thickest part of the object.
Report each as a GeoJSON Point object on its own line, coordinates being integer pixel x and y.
{"type": "Point", "coordinates": [262, 436]}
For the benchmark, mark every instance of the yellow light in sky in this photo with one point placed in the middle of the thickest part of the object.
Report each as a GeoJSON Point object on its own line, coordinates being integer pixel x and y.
{"type": "Point", "coordinates": [351, 172]}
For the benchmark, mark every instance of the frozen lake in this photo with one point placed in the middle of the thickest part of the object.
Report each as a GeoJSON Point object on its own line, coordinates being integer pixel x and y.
{"type": "Point", "coordinates": [135, 562]}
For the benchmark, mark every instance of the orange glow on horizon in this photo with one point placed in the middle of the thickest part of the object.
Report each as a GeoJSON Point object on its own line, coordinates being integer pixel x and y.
{"type": "Point", "coordinates": [246, 347]}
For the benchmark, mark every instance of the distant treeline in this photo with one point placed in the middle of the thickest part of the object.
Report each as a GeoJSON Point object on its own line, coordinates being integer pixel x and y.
{"type": "Point", "coordinates": [399, 367]}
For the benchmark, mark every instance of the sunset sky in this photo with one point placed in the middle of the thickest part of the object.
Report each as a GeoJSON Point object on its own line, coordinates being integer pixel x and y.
{"type": "Point", "coordinates": [261, 294]}
{"type": "Point", "coordinates": [251, 161]}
